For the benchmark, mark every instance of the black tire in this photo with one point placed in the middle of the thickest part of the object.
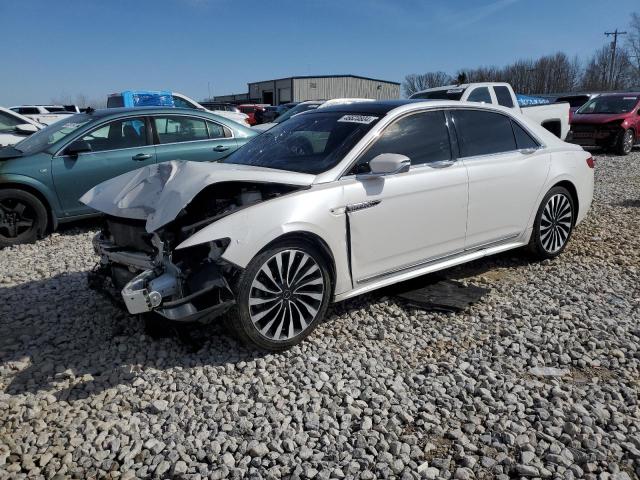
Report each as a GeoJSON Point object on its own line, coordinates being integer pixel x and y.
{"type": "Point", "coordinates": [23, 217]}
{"type": "Point", "coordinates": [625, 142]}
{"type": "Point", "coordinates": [553, 224]}
{"type": "Point", "coordinates": [282, 314]}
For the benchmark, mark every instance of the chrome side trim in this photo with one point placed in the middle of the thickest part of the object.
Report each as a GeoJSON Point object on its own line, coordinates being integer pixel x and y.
{"type": "Point", "coordinates": [354, 207]}
{"type": "Point", "coordinates": [432, 260]}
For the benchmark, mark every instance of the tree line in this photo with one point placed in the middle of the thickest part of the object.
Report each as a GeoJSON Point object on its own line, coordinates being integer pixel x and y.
{"type": "Point", "coordinates": [556, 73]}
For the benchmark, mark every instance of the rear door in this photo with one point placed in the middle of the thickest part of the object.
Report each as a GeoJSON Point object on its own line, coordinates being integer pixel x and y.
{"type": "Point", "coordinates": [507, 170]}
{"type": "Point", "coordinates": [117, 147]}
{"type": "Point", "coordinates": [193, 138]}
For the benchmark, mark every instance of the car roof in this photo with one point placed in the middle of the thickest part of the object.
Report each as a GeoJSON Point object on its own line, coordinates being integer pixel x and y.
{"type": "Point", "coordinates": [378, 107]}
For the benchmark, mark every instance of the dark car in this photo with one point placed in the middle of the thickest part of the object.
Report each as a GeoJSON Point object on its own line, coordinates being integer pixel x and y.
{"type": "Point", "coordinates": [271, 113]}
{"type": "Point", "coordinates": [610, 121]}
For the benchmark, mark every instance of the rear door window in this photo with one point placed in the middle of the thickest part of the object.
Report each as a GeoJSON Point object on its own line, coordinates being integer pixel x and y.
{"type": "Point", "coordinates": [480, 95]}
{"type": "Point", "coordinates": [216, 130]}
{"type": "Point", "coordinates": [178, 128]}
{"type": "Point", "coordinates": [483, 133]}
{"type": "Point", "coordinates": [503, 95]}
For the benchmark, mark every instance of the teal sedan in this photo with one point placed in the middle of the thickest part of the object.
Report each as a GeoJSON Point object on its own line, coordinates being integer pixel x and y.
{"type": "Point", "coordinates": [42, 177]}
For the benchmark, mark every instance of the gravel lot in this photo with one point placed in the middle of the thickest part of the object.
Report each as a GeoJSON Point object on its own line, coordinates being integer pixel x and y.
{"type": "Point", "coordinates": [539, 379]}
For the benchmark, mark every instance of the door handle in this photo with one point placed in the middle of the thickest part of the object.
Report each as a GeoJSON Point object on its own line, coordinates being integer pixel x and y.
{"type": "Point", "coordinates": [220, 148]}
{"type": "Point", "coordinates": [141, 156]}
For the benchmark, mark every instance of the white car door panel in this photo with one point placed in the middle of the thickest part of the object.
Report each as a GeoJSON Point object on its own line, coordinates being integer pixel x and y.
{"type": "Point", "coordinates": [506, 173]}
{"type": "Point", "coordinates": [502, 191]}
{"type": "Point", "coordinates": [401, 220]}
{"type": "Point", "coordinates": [406, 219]}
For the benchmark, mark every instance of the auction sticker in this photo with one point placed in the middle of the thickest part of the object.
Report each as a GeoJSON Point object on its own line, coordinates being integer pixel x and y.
{"type": "Point", "coordinates": [364, 119]}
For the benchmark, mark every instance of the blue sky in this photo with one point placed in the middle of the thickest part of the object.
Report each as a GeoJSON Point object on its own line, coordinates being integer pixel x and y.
{"type": "Point", "coordinates": [67, 47]}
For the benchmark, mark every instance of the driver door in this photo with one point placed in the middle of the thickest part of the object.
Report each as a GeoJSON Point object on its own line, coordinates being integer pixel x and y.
{"type": "Point", "coordinates": [117, 147]}
{"type": "Point", "coordinates": [401, 221]}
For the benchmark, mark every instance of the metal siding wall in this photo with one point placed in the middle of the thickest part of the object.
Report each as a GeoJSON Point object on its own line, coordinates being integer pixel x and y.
{"type": "Point", "coordinates": [342, 87]}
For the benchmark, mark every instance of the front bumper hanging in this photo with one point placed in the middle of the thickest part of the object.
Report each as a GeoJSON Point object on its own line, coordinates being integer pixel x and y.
{"type": "Point", "coordinates": [161, 287]}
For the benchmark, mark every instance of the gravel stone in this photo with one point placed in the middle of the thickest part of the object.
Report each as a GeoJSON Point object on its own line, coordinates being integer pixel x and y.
{"type": "Point", "coordinates": [539, 379]}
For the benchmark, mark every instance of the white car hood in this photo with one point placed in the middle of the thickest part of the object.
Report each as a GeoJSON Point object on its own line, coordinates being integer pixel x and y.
{"type": "Point", "coordinates": [157, 193]}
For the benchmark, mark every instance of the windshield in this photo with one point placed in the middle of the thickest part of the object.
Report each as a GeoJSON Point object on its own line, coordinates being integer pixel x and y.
{"type": "Point", "coordinates": [610, 104]}
{"type": "Point", "coordinates": [55, 132]}
{"type": "Point", "coordinates": [311, 143]}
{"type": "Point", "coordinates": [450, 94]}
{"type": "Point", "coordinates": [301, 107]}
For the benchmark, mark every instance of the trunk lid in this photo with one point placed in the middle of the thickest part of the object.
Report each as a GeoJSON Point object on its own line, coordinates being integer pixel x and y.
{"type": "Point", "coordinates": [157, 193]}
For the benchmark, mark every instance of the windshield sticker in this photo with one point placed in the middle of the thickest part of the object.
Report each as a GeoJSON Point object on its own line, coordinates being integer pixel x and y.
{"type": "Point", "coordinates": [629, 98]}
{"type": "Point", "coordinates": [455, 90]}
{"type": "Point", "coordinates": [71, 125]}
{"type": "Point", "coordinates": [364, 119]}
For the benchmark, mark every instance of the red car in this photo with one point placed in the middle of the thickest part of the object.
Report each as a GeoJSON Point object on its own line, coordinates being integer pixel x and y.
{"type": "Point", "coordinates": [251, 109]}
{"type": "Point", "coordinates": [611, 121]}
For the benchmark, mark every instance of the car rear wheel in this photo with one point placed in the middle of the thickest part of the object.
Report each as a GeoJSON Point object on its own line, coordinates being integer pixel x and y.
{"type": "Point", "coordinates": [553, 224]}
{"type": "Point", "coordinates": [625, 142]}
{"type": "Point", "coordinates": [23, 218]}
{"type": "Point", "coordinates": [282, 295]}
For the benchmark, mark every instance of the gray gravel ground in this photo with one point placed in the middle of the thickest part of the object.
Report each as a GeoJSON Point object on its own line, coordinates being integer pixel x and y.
{"type": "Point", "coordinates": [539, 379]}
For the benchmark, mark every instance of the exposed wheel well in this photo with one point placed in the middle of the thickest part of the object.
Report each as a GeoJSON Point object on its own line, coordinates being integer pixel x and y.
{"type": "Point", "coordinates": [554, 126]}
{"type": "Point", "coordinates": [314, 240]}
{"type": "Point", "coordinates": [574, 194]}
{"type": "Point", "coordinates": [52, 221]}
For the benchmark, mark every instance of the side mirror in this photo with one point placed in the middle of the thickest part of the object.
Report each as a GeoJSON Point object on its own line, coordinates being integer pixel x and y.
{"type": "Point", "coordinates": [26, 128]}
{"type": "Point", "coordinates": [388, 164]}
{"type": "Point", "coordinates": [77, 147]}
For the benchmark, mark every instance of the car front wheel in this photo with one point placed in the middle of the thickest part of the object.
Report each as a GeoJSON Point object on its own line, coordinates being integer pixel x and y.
{"type": "Point", "coordinates": [282, 295]}
{"type": "Point", "coordinates": [23, 218]}
{"type": "Point", "coordinates": [553, 224]}
{"type": "Point", "coordinates": [625, 142]}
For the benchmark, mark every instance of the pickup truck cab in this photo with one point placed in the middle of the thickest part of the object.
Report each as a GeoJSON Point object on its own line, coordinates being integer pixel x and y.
{"type": "Point", "coordinates": [166, 98]}
{"type": "Point", "coordinates": [45, 114]}
{"type": "Point", "coordinates": [552, 116]}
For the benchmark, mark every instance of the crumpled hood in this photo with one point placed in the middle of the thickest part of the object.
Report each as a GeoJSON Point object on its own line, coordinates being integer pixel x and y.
{"type": "Point", "coordinates": [157, 193]}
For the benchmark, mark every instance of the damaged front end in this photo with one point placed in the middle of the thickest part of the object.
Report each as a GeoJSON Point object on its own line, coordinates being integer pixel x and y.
{"type": "Point", "coordinates": [182, 285]}
{"type": "Point", "coordinates": [150, 212]}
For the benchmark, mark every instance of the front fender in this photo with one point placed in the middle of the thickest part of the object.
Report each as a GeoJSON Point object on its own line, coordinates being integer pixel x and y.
{"type": "Point", "coordinates": [309, 211]}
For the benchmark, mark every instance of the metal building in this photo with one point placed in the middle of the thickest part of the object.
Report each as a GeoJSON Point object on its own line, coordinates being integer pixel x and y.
{"type": "Point", "coordinates": [321, 87]}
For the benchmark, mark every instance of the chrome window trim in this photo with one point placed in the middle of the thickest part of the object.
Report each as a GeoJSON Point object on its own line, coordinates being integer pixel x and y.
{"type": "Point", "coordinates": [149, 115]}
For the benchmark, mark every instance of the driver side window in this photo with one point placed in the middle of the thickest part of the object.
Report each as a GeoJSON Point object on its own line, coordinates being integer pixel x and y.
{"type": "Point", "coordinates": [423, 137]}
{"type": "Point", "coordinates": [126, 133]}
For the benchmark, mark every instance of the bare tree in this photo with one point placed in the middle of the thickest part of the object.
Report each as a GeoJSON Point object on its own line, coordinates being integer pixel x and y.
{"type": "Point", "coordinates": [599, 74]}
{"type": "Point", "coordinates": [416, 82]}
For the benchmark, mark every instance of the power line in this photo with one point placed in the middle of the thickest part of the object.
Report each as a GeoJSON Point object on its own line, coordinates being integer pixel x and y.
{"type": "Point", "coordinates": [614, 44]}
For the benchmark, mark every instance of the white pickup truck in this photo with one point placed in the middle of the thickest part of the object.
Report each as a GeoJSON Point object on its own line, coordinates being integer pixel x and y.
{"type": "Point", "coordinates": [552, 116]}
{"type": "Point", "coordinates": [46, 114]}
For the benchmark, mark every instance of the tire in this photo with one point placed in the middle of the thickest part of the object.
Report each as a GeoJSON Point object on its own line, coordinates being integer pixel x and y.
{"type": "Point", "coordinates": [553, 224]}
{"type": "Point", "coordinates": [624, 144]}
{"type": "Point", "coordinates": [23, 217]}
{"type": "Point", "coordinates": [279, 307]}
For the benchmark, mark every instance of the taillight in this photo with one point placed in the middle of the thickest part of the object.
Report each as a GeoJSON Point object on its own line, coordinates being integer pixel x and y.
{"type": "Point", "coordinates": [591, 162]}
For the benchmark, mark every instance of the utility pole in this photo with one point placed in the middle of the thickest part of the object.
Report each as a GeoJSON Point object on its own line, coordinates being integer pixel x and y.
{"type": "Point", "coordinates": [614, 45]}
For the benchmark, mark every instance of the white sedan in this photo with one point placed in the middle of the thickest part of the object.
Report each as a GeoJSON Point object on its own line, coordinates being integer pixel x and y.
{"type": "Point", "coordinates": [15, 127]}
{"type": "Point", "coordinates": [334, 203]}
